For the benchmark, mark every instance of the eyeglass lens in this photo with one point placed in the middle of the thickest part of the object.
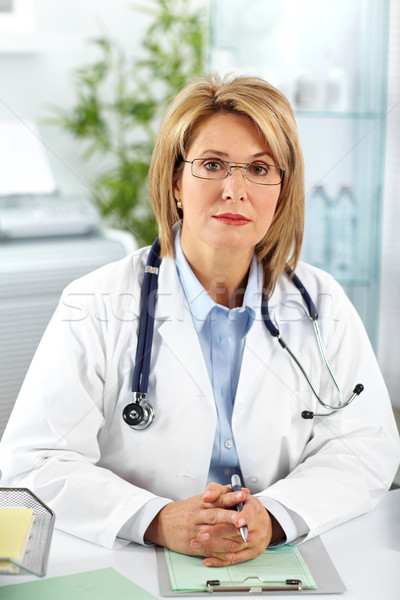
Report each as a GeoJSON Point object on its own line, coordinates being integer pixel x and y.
{"type": "Point", "coordinates": [257, 172]}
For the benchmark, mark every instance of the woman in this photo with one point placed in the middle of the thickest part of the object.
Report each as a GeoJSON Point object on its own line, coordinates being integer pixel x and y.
{"type": "Point", "coordinates": [226, 182]}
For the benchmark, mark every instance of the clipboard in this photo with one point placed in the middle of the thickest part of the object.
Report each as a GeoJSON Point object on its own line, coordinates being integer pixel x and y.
{"type": "Point", "coordinates": [314, 553]}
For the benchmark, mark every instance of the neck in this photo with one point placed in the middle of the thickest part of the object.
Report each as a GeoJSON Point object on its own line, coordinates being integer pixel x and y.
{"type": "Point", "coordinates": [223, 273]}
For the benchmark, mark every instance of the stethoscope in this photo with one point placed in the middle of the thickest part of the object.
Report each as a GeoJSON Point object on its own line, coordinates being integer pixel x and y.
{"type": "Point", "coordinates": [139, 414]}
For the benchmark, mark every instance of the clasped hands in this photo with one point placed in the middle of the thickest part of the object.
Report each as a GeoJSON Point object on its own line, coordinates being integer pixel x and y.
{"type": "Point", "coordinates": [208, 525]}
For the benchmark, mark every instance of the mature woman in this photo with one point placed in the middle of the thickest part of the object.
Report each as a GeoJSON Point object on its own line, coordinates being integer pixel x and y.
{"type": "Point", "coordinates": [226, 183]}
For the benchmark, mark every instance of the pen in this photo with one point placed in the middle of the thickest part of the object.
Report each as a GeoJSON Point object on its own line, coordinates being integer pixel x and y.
{"type": "Point", "coordinates": [236, 487]}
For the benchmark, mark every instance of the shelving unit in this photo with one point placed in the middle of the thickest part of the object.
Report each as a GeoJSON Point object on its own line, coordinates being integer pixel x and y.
{"type": "Point", "coordinates": [330, 59]}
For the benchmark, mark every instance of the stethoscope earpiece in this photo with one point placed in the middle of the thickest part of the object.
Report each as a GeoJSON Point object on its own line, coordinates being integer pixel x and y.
{"type": "Point", "coordinates": [307, 414]}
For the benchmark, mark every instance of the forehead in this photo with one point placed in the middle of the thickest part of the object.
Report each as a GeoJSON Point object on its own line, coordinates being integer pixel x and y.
{"type": "Point", "coordinates": [220, 131]}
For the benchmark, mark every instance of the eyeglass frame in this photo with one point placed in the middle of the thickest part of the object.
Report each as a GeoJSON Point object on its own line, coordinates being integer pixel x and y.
{"type": "Point", "coordinates": [235, 166]}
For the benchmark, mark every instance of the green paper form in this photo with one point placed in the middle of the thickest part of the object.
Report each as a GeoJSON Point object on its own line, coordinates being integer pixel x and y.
{"type": "Point", "coordinates": [188, 574]}
{"type": "Point", "coordinates": [102, 584]}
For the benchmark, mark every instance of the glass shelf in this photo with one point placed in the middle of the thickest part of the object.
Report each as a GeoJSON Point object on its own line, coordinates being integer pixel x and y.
{"type": "Point", "coordinates": [330, 60]}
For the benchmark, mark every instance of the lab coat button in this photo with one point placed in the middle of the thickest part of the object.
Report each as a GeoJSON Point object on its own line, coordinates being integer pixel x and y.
{"type": "Point", "coordinates": [239, 408]}
{"type": "Point", "coordinates": [228, 444]}
{"type": "Point", "coordinates": [253, 479]}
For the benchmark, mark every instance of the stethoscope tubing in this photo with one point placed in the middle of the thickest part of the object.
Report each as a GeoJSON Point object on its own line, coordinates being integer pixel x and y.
{"type": "Point", "coordinates": [141, 370]}
{"type": "Point", "coordinates": [145, 339]}
{"type": "Point", "coordinates": [313, 315]}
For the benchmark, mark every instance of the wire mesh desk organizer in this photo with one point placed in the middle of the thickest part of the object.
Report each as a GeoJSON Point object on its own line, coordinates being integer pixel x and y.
{"type": "Point", "coordinates": [35, 556]}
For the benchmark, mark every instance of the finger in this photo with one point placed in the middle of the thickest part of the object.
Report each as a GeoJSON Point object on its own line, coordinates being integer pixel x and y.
{"type": "Point", "coordinates": [221, 538]}
{"type": "Point", "coordinates": [230, 558]}
{"type": "Point", "coordinates": [224, 497]}
{"type": "Point", "coordinates": [220, 535]}
{"type": "Point", "coordinates": [253, 514]}
{"type": "Point", "coordinates": [241, 519]}
{"type": "Point", "coordinates": [232, 499]}
{"type": "Point", "coordinates": [220, 547]}
{"type": "Point", "coordinates": [217, 539]}
{"type": "Point", "coordinates": [214, 491]}
{"type": "Point", "coordinates": [214, 515]}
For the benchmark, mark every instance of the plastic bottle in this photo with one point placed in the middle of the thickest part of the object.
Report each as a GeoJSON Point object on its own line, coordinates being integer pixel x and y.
{"type": "Point", "coordinates": [315, 231]}
{"type": "Point", "coordinates": [337, 90]}
{"type": "Point", "coordinates": [343, 225]}
{"type": "Point", "coordinates": [306, 91]}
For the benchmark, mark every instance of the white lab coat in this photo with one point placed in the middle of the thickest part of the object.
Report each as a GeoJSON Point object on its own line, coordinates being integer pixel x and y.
{"type": "Point", "coordinates": [66, 439]}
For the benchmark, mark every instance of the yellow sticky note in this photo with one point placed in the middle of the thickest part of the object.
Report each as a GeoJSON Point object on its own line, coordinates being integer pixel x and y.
{"type": "Point", "coordinates": [15, 525]}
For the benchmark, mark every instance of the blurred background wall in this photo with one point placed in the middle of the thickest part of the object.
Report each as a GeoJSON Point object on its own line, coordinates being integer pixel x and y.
{"type": "Point", "coordinates": [36, 71]}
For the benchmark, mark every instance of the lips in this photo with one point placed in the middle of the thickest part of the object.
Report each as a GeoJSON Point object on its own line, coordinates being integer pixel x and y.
{"type": "Point", "coordinates": [234, 219]}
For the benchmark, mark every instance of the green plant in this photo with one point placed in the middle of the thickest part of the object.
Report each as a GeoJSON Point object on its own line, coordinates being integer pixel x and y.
{"type": "Point", "coordinates": [119, 103]}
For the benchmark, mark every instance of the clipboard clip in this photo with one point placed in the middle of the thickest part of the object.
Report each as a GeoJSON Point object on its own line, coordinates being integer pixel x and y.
{"type": "Point", "coordinates": [257, 587]}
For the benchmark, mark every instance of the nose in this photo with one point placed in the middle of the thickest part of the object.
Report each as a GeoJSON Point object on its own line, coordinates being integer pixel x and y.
{"type": "Point", "coordinates": [235, 184]}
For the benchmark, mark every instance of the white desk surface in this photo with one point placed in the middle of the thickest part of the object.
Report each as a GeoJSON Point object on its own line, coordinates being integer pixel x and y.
{"type": "Point", "coordinates": [365, 552]}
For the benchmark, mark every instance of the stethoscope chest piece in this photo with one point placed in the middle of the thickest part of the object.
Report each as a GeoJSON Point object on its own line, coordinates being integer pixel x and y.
{"type": "Point", "coordinates": [139, 414]}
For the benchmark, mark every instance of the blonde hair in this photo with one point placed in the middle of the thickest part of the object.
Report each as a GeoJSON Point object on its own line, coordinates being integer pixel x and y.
{"type": "Point", "coordinates": [269, 109]}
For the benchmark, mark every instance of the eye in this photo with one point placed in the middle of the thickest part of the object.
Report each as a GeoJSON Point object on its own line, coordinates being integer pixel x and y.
{"type": "Point", "coordinates": [258, 169]}
{"type": "Point", "coordinates": [213, 165]}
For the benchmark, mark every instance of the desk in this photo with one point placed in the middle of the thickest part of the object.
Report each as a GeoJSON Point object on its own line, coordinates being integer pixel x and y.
{"type": "Point", "coordinates": [365, 551]}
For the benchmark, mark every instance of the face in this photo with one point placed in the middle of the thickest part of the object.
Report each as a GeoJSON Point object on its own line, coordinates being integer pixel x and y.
{"type": "Point", "coordinates": [233, 213]}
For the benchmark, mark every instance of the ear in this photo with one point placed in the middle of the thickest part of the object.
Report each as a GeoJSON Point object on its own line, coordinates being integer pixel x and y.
{"type": "Point", "coordinates": [176, 186]}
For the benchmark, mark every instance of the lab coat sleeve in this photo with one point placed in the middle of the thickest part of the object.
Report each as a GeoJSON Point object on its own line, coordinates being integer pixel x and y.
{"type": "Point", "coordinates": [292, 524]}
{"type": "Point", "coordinates": [51, 444]}
{"type": "Point", "coordinates": [351, 456]}
{"type": "Point", "coordinates": [135, 528]}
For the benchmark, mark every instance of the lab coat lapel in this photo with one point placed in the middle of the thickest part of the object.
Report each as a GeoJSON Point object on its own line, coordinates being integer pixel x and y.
{"type": "Point", "coordinates": [256, 358]}
{"type": "Point", "coordinates": [259, 350]}
{"type": "Point", "coordinates": [177, 329]}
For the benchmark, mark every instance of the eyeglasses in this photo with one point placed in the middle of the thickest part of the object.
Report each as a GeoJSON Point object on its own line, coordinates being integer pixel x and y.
{"type": "Point", "coordinates": [216, 169]}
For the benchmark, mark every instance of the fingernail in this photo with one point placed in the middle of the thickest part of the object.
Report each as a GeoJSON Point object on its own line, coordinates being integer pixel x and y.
{"type": "Point", "coordinates": [241, 523]}
{"type": "Point", "coordinates": [229, 556]}
{"type": "Point", "coordinates": [207, 494]}
{"type": "Point", "coordinates": [203, 536]}
{"type": "Point", "coordinates": [207, 563]}
{"type": "Point", "coordinates": [195, 544]}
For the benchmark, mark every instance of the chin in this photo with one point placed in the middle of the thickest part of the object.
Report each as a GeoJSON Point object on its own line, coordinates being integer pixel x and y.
{"type": "Point", "coordinates": [230, 243]}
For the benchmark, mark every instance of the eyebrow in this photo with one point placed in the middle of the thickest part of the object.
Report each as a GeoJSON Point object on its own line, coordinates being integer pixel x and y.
{"type": "Point", "coordinates": [226, 155]}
